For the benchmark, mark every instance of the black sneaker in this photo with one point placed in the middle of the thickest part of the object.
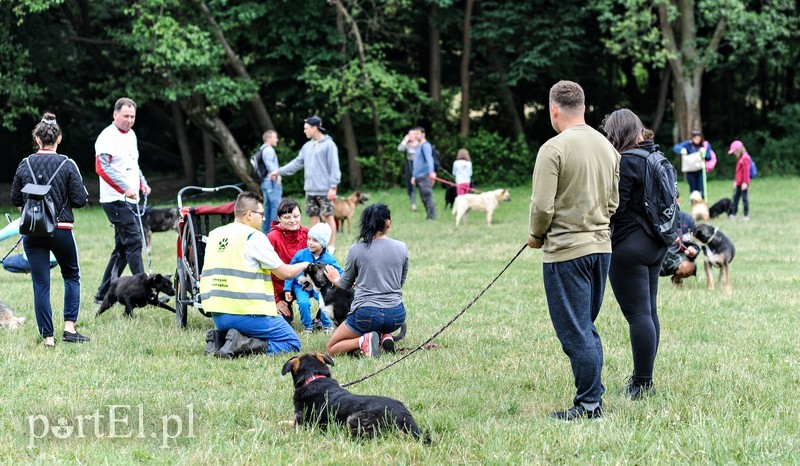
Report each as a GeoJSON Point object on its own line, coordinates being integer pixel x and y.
{"type": "Point", "coordinates": [75, 337]}
{"type": "Point", "coordinates": [577, 412]}
{"type": "Point", "coordinates": [387, 343]}
{"type": "Point", "coordinates": [638, 390]}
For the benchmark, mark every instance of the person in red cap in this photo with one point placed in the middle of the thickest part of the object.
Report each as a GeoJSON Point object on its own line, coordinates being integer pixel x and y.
{"type": "Point", "coordinates": [741, 180]}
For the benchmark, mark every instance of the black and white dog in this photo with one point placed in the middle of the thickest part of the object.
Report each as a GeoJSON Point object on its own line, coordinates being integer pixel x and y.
{"type": "Point", "coordinates": [320, 401]}
{"type": "Point", "coordinates": [138, 291]}
{"type": "Point", "coordinates": [718, 251]}
{"type": "Point", "coordinates": [159, 220]}
{"type": "Point", "coordinates": [335, 302]}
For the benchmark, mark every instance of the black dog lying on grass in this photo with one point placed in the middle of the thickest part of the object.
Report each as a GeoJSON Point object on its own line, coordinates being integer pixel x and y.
{"type": "Point", "coordinates": [319, 401]}
{"type": "Point", "coordinates": [138, 291]}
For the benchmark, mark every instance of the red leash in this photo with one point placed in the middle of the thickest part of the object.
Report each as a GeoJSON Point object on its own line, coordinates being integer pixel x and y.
{"type": "Point", "coordinates": [477, 191]}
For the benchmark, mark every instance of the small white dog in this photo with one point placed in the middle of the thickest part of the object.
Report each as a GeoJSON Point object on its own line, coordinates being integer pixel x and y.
{"type": "Point", "coordinates": [699, 207]}
{"type": "Point", "coordinates": [485, 202]}
{"type": "Point", "coordinates": [8, 319]}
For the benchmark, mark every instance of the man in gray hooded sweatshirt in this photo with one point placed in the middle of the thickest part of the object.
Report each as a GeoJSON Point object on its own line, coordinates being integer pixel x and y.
{"type": "Point", "coordinates": [320, 158]}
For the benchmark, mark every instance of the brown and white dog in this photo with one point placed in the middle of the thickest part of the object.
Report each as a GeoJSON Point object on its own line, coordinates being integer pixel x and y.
{"type": "Point", "coordinates": [8, 319]}
{"type": "Point", "coordinates": [699, 207]}
{"type": "Point", "coordinates": [484, 202]}
{"type": "Point", "coordinates": [345, 209]}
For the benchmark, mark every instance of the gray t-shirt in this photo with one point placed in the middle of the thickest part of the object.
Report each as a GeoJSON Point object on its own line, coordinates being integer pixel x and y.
{"type": "Point", "coordinates": [378, 273]}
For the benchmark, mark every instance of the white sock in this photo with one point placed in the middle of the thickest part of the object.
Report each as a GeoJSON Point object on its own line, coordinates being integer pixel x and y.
{"type": "Point", "coordinates": [590, 406]}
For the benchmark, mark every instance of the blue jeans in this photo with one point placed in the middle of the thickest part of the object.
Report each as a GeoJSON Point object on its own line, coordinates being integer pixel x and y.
{"type": "Point", "coordinates": [304, 305]}
{"type": "Point", "coordinates": [278, 333]}
{"type": "Point", "coordinates": [574, 292]}
{"type": "Point", "coordinates": [375, 319]}
{"type": "Point", "coordinates": [695, 180]}
{"type": "Point", "coordinates": [62, 243]}
{"type": "Point", "coordinates": [272, 192]}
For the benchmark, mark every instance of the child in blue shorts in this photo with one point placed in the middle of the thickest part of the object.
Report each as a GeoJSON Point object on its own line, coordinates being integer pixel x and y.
{"type": "Point", "coordinates": [318, 237]}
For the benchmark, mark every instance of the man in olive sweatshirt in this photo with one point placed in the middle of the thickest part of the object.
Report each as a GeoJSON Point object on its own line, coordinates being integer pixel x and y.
{"type": "Point", "coordinates": [575, 183]}
{"type": "Point", "coordinates": [320, 158]}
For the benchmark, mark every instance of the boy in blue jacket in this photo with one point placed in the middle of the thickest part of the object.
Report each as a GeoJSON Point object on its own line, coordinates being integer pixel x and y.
{"type": "Point", "coordinates": [318, 237]}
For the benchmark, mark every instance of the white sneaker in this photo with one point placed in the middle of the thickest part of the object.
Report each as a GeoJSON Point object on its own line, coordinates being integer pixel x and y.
{"type": "Point", "coordinates": [331, 250]}
{"type": "Point", "coordinates": [746, 218]}
{"type": "Point", "coordinates": [731, 217]}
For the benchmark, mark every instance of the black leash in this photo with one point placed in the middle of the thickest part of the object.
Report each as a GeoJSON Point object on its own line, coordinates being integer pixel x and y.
{"type": "Point", "coordinates": [421, 346]}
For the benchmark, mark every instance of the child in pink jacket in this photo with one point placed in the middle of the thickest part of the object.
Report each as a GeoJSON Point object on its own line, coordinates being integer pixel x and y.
{"type": "Point", "coordinates": [741, 181]}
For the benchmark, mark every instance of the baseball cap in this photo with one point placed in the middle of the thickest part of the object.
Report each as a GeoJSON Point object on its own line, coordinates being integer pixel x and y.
{"type": "Point", "coordinates": [315, 121]}
{"type": "Point", "coordinates": [735, 145]}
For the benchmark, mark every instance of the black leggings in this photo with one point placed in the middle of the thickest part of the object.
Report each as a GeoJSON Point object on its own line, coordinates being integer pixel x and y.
{"type": "Point", "coordinates": [635, 263]}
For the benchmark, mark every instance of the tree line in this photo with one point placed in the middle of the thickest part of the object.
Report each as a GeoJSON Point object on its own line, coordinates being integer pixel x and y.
{"type": "Point", "coordinates": [210, 76]}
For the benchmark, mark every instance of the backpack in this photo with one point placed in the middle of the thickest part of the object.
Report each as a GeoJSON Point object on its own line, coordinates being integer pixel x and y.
{"type": "Point", "coordinates": [437, 159]}
{"type": "Point", "coordinates": [258, 170]}
{"type": "Point", "coordinates": [38, 216]}
{"type": "Point", "coordinates": [660, 196]}
{"type": "Point", "coordinates": [753, 169]}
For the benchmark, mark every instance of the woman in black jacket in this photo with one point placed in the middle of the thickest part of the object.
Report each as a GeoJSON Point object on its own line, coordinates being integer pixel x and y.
{"type": "Point", "coordinates": [636, 252]}
{"type": "Point", "coordinates": [67, 191]}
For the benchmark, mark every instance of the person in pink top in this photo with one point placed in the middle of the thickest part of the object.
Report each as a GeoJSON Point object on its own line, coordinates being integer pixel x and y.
{"type": "Point", "coordinates": [741, 181]}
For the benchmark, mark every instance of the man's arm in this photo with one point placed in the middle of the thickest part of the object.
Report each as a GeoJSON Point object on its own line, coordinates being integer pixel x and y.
{"type": "Point", "coordinates": [287, 271]}
{"type": "Point", "coordinates": [335, 175]}
{"type": "Point", "coordinates": [427, 152]}
{"type": "Point", "coordinates": [544, 186]}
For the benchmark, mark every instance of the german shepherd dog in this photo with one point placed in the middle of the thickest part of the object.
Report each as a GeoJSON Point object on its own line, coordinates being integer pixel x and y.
{"type": "Point", "coordinates": [138, 291]}
{"type": "Point", "coordinates": [345, 209]}
{"type": "Point", "coordinates": [319, 401]}
{"type": "Point", "coordinates": [718, 251]}
{"type": "Point", "coordinates": [159, 220]}
{"type": "Point", "coordinates": [334, 302]}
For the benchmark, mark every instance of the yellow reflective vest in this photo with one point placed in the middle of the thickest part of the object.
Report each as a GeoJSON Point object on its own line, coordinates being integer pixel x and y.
{"type": "Point", "coordinates": [227, 286]}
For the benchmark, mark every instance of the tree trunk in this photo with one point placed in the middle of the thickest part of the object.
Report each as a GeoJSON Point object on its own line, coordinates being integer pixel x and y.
{"type": "Point", "coordinates": [362, 61]}
{"type": "Point", "coordinates": [465, 53]}
{"type": "Point", "coordinates": [661, 106]}
{"type": "Point", "coordinates": [435, 48]}
{"type": "Point", "coordinates": [259, 108]}
{"type": "Point", "coordinates": [507, 97]}
{"type": "Point", "coordinates": [208, 160]}
{"type": "Point", "coordinates": [688, 65]}
{"type": "Point", "coordinates": [350, 141]}
{"type": "Point", "coordinates": [190, 174]}
{"type": "Point", "coordinates": [354, 168]}
{"type": "Point", "coordinates": [217, 128]}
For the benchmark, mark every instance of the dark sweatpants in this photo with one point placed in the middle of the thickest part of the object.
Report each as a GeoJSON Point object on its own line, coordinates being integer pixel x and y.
{"type": "Point", "coordinates": [574, 292]}
{"type": "Point", "coordinates": [635, 264]}
{"type": "Point", "coordinates": [127, 244]}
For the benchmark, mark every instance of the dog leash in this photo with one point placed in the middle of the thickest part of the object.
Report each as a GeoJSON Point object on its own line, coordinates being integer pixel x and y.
{"type": "Point", "coordinates": [141, 230]}
{"type": "Point", "coordinates": [476, 191]}
{"type": "Point", "coordinates": [460, 313]}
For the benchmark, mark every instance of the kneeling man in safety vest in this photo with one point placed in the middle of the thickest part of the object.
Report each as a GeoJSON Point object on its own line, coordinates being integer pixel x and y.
{"type": "Point", "coordinates": [236, 287]}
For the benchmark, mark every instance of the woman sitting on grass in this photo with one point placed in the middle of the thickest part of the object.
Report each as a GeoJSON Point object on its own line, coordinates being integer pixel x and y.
{"type": "Point", "coordinates": [377, 267]}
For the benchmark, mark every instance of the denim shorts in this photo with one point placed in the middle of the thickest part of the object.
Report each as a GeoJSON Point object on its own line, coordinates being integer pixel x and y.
{"type": "Point", "coordinates": [376, 319]}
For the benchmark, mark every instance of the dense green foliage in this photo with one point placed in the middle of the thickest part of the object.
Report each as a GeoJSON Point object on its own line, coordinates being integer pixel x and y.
{"type": "Point", "coordinates": [246, 65]}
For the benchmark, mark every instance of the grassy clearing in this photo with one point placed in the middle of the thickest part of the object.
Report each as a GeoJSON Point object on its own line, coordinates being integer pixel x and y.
{"type": "Point", "coordinates": [727, 371]}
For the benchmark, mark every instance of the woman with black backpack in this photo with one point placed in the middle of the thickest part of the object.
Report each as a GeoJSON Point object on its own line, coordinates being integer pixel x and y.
{"type": "Point", "coordinates": [66, 191]}
{"type": "Point", "coordinates": [636, 250]}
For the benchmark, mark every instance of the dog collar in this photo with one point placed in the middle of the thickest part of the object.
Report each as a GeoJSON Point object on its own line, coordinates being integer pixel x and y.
{"type": "Point", "coordinates": [313, 378]}
{"type": "Point", "coordinates": [712, 237]}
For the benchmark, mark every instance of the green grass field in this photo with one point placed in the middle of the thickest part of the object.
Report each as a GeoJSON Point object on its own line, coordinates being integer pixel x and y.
{"type": "Point", "coordinates": [727, 372]}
